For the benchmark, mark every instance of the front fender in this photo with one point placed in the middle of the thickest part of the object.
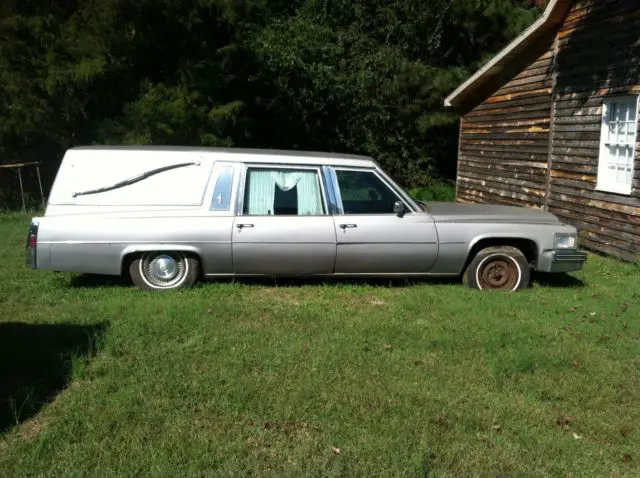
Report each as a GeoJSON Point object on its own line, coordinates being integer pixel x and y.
{"type": "Point", "coordinates": [501, 236]}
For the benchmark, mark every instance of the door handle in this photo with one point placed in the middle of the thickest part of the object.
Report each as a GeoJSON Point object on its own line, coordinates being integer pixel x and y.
{"type": "Point", "coordinates": [243, 226]}
{"type": "Point", "coordinates": [348, 226]}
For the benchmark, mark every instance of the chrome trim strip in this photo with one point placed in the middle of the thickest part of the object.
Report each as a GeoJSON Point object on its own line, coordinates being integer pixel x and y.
{"type": "Point", "coordinates": [327, 181]}
{"type": "Point", "coordinates": [135, 179]}
{"type": "Point", "coordinates": [336, 188]}
{"type": "Point", "coordinates": [569, 256]}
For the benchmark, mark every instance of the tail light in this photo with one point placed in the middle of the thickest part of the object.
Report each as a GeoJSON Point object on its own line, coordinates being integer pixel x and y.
{"type": "Point", "coordinates": [32, 245]}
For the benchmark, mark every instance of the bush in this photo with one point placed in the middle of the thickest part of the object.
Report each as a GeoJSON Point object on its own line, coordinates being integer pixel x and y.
{"type": "Point", "coordinates": [436, 191]}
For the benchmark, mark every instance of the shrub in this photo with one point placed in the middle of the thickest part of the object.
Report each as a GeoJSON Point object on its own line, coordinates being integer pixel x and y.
{"type": "Point", "coordinates": [436, 191]}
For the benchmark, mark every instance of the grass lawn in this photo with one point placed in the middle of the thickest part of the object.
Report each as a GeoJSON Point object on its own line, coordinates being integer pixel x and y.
{"type": "Point", "coordinates": [263, 379]}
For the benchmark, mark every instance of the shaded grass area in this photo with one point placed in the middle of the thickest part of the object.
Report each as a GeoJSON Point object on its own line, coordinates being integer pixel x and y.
{"type": "Point", "coordinates": [28, 350]}
{"type": "Point", "coordinates": [272, 379]}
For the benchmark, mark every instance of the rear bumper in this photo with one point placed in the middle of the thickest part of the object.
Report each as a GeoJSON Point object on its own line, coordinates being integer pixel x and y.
{"type": "Point", "coordinates": [561, 261]}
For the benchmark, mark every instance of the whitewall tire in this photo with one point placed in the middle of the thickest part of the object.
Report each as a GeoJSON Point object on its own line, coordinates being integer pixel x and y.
{"type": "Point", "coordinates": [164, 270]}
{"type": "Point", "coordinates": [501, 268]}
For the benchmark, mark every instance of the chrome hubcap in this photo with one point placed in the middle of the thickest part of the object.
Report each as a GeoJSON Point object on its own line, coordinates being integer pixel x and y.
{"type": "Point", "coordinates": [164, 267]}
{"type": "Point", "coordinates": [163, 270]}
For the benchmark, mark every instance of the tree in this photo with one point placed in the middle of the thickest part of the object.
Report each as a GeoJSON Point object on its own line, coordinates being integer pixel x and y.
{"type": "Point", "coordinates": [336, 75]}
{"type": "Point", "coordinates": [370, 77]}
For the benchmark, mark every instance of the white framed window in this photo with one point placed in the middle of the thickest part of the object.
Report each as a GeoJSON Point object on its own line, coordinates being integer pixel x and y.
{"type": "Point", "coordinates": [618, 144]}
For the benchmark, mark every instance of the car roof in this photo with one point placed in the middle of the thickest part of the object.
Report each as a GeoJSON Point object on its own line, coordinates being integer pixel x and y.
{"type": "Point", "coordinates": [241, 154]}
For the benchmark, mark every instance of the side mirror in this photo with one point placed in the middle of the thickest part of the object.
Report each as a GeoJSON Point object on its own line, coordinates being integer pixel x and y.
{"type": "Point", "coordinates": [398, 208]}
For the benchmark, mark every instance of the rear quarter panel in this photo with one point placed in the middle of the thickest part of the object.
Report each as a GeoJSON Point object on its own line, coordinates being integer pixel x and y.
{"type": "Point", "coordinates": [90, 244]}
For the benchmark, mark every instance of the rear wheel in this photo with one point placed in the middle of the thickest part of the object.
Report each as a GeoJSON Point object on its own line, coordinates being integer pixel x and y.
{"type": "Point", "coordinates": [164, 270]}
{"type": "Point", "coordinates": [498, 268]}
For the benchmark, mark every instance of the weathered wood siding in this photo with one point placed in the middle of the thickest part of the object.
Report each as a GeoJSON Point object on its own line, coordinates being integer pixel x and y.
{"type": "Point", "coordinates": [504, 141]}
{"type": "Point", "coordinates": [536, 141]}
{"type": "Point", "coordinates": [598, 55]}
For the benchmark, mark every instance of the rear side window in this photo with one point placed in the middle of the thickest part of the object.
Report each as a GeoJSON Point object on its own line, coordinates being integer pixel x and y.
{"type": "Point", "coordinates": [221, 200]}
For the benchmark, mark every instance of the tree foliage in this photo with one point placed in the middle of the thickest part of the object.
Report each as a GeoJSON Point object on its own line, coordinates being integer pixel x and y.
{"type": "Point", "coordinates": [335, 75]}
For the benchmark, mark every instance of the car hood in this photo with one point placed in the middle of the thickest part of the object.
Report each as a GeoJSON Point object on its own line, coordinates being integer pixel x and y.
{"type": "Point", "coordinates": [456, 212]}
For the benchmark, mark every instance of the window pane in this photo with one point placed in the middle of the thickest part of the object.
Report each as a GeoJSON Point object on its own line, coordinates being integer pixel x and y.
{"type": "Point", "coordinates": [222, 192]}
{"type": "Point", "coordinates": [633, 106]}
{"type": "Point", "coordinates": [621, 131]}
{"type": "Point", "coordinates": [612, 112]}
{"type": "Point", "coordinates": [364, 193]}
{"type": "Point", "coordinates": [621, 112]}
{"type": "Point", "coordinates": [612, 158]}
{"type": "Point", "coordinates": [630, 165]}
{"type": "Point", "coordinates": [621, 165]}
{"type": "Point", "coordinates": [612, 130]}
{"type": "Point", "coordinates": [283, 192]}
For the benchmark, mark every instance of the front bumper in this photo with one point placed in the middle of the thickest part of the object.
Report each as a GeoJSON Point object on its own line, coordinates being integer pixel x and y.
{"type": "Point", "coordinates": [561, 261]}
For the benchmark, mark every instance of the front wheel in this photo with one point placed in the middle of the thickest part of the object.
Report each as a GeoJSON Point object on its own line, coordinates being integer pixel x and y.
{"type": "Point", "coordinates": [164, 270]}
{"type": "Point", "coordinates": [498, 268]}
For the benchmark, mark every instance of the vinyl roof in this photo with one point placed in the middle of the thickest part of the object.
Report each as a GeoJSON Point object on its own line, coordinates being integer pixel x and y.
{"type": "Point", "coordinates": [244, 154]}
{"type": "Point", "coordinates": [205, 149]}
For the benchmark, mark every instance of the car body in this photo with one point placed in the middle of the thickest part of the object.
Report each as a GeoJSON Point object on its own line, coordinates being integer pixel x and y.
{"type": "Point", "coordinates": [170, 215]}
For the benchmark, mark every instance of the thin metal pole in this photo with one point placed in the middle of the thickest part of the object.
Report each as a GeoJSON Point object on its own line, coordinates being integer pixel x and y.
{"type": "Point", "coordinates": [40, 184]}
{"type": "Point", "coordinates": [24, 208]}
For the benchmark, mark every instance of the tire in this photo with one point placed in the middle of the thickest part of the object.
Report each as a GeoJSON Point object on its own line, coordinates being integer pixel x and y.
{"type": "Point", "coordinates": [164, 270]}
{"type": "Point", "coordinates": [498, 268]}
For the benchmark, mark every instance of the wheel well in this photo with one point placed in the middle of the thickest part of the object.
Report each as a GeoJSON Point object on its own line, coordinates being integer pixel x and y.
{"type": "Point", "coordinates": [132, 256]}
{"type": "Point", "coordinates": [126, 263]}
{"type": "Point", "coordinates": [528, 247]}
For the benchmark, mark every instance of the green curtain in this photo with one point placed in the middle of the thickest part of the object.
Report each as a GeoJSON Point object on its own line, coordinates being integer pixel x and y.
{"type": "Point", "coordinates": [262, 187]}
{"type": "Point", "coordinates": [308, 189]}
{"type": "Point", "coordinates": [309, 195]}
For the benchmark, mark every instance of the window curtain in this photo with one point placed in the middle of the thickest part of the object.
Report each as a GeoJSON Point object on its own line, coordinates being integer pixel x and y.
{"type": "Point", "coordinates": [308, 188]}
{"type": "Point", "coordinates": [262, 188]}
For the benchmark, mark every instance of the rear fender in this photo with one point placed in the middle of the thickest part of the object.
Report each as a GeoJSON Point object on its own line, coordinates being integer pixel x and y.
{"type": "Point", "coordinates": [139, 248]}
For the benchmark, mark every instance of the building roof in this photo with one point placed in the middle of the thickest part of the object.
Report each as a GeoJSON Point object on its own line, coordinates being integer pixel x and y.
{"type": "Point", "coordinates": [544, 26]}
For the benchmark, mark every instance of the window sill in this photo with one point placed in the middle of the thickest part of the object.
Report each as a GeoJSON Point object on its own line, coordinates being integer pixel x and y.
{"type": "Point", "coordinates": [619, 192]}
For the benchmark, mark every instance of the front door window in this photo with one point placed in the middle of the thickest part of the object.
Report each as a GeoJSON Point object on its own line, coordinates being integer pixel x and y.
{"type": "Point", "coordinates": [363, 192]}
{"type": "Point", "coordinates": [283, 192]}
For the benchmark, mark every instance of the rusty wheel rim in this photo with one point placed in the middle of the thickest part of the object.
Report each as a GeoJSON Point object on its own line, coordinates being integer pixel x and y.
{"type": "Point", "coordinates": [499, 273]}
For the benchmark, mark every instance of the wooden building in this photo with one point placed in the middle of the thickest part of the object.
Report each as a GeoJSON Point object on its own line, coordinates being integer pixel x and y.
{"type": "Point", "coordinates": [551, 122]}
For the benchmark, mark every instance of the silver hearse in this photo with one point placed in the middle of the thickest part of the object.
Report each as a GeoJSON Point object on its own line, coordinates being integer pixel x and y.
{"type": "Point", "coordinates": [168, 216]}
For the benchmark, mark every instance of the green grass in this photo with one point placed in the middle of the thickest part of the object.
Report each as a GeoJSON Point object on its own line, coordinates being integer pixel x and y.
{"type": "Point", "coordinates": [237, 379]}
